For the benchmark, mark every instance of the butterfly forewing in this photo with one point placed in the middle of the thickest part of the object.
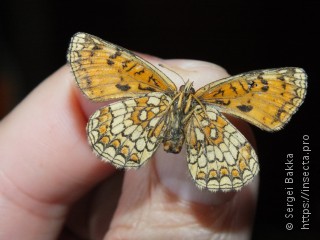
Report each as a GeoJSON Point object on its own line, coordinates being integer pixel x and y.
{"type": "Point", "coordinates": [104, 71]}
{"type": "Point", "coordinates": [265, 98]}
{"type": "Point", "coordinates": [219, 156]}
{"type": "Point", "coordinates": [127, 133]}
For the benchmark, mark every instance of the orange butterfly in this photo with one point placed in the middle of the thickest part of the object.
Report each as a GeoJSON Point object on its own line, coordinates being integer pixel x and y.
{"type": "Point", "coordinates": [128, 132]}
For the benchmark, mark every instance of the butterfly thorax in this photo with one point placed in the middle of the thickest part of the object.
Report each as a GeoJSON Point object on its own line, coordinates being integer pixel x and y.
{"type": "Point", "coordinates": [181, 104]}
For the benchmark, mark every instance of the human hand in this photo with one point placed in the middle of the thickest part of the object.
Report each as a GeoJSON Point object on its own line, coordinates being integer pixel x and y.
{"type": "Point", "coordinates": [52, 185]}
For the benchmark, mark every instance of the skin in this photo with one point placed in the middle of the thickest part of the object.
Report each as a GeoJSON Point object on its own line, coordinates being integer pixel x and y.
{"type": "Point", "coordinates": [53, 187]}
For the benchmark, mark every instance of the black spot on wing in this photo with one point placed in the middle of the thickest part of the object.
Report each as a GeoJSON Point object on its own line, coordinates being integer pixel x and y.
{"type": "Point", "coordinates": [88, 80]}
{"type": "Point", "coordinates": [97, 47]}
{"type": "Point", "coordinates": [115, 55]}
{"type": "Point", "coordinates": [123, 87]}
{"type": "Point", "coordinates": [265, 85]}
{"type": "Point", "coordinates": [243, 87]}
{"type": "Point", "coordinates": [125, 63]}
{"type": "Point", "coordinates": [151, 78]}
{"type": "Point", "coordinates": [278, 115]}
{"type": "Point", "coordinates": [139, 72]}
{"type": "Point", "coordinates": [219, 92]}
{"type": "Point", "coordinates": [234, 89]}
{"type": "Point", "coordinates": [252, 84]}
{"type": "Point", "coordinates": [284, 85]}
{"type": "Point", "coordinates": [110, 62]}
{"type": "Point", "coordinates": [245, 108]}
{"type": "Point", "coordinates": [133, 66]}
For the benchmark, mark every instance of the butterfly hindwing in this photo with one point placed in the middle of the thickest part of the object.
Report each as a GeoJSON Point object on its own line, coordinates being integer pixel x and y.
{"type": "Point", "coordinates": [219, 156]}
{"type": "Point", "coordinates": [128, 132]}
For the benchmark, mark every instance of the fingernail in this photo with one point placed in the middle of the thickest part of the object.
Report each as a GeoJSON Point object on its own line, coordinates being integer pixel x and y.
{"type": "Point", "coordinates": [173, 173]}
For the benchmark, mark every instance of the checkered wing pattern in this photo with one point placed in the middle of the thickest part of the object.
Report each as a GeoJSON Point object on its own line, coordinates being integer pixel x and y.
{"type": "Point", "coordinates": [219, 156]}
{"type": "Point", "coordinates": [127, 133]}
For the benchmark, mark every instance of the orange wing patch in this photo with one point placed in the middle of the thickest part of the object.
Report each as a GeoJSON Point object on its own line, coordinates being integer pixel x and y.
{"type": "Point", "coordinates": [105, 71]}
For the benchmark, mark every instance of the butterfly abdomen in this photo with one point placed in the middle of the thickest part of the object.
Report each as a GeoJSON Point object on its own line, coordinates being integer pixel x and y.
{"type": "Point", "coordinates": [175, 136]}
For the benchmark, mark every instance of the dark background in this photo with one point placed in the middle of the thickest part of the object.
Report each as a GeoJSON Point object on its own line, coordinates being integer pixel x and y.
{"type": "Point", "coordinates": [34, 36]}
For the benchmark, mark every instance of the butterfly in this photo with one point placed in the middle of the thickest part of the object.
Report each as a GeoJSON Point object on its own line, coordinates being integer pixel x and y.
{"type": "Point", "coordinates": [152, 110]}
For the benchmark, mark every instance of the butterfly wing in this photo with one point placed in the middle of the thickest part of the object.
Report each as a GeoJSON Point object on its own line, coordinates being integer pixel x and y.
{"type": "Point", "coordinates": [265, 98]}
{"type": "Point", "coordinates": [219, 156]}
{"type": "Point", "coordinates": [128, 132]}
{"type": "Point", "coordinates": [105, 71]}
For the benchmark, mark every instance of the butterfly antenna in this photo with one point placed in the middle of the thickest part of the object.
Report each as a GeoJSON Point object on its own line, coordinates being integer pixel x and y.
{"type": "Point", "coordinates": [161, 65]}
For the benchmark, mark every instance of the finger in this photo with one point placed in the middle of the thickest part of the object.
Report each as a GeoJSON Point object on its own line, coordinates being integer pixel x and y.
{"type": "Point", "coordinates": [46, 163]}
{"type": "Point", "coordinates": [162, 196]}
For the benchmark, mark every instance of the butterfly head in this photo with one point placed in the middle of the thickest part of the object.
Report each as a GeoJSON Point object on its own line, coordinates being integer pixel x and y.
{"type": "Point", "coordinates": [187, 88]}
